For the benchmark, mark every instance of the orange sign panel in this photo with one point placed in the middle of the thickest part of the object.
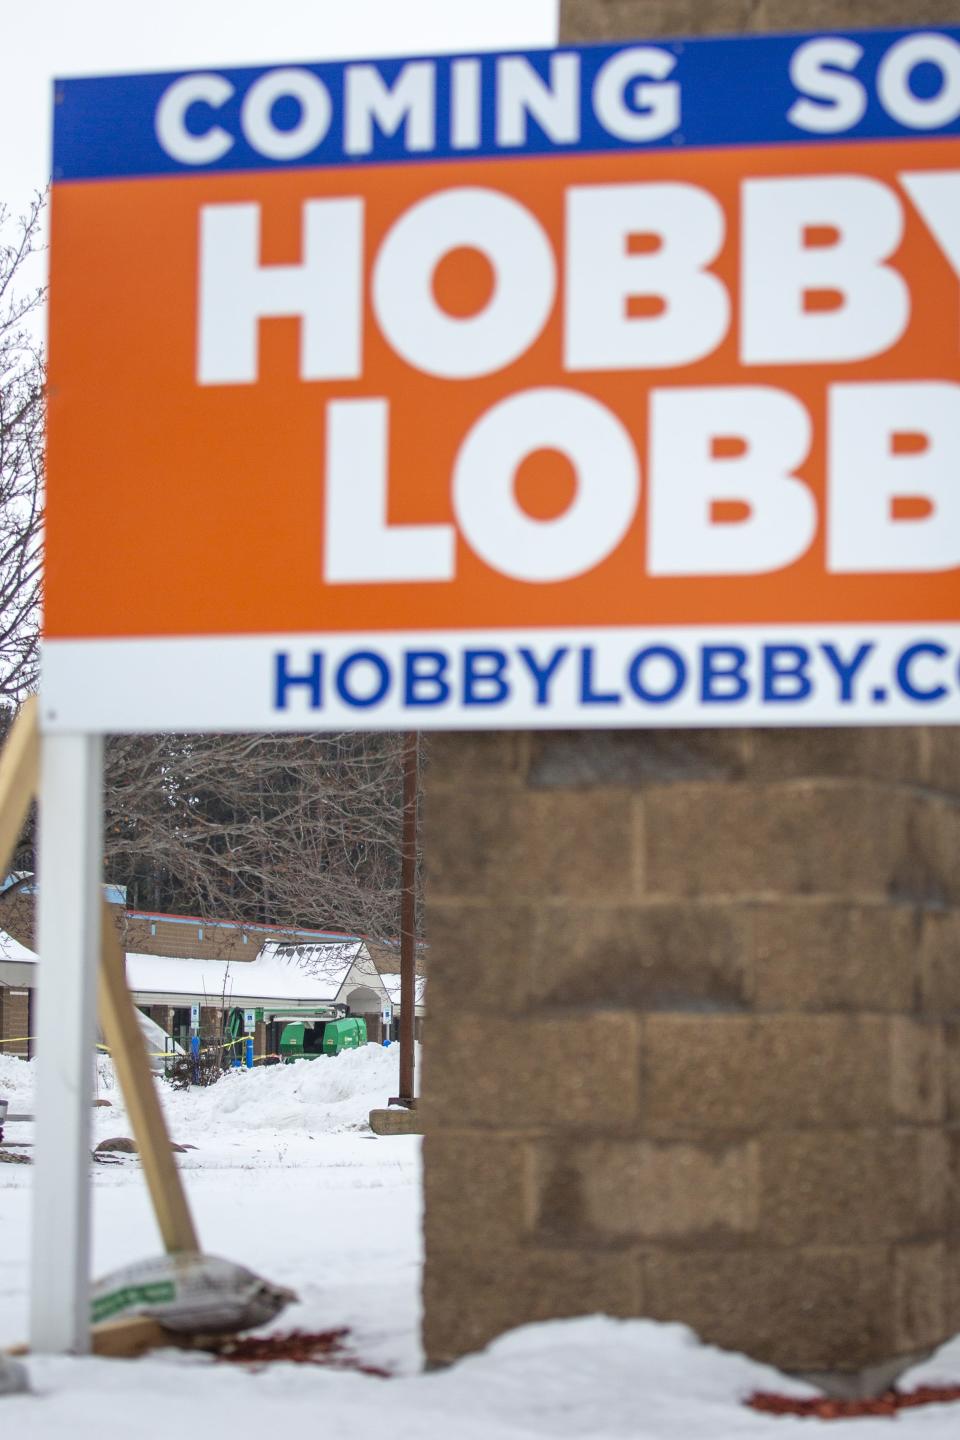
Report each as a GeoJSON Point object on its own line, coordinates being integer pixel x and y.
{"type": "Point", "coordinates": [492, 393]}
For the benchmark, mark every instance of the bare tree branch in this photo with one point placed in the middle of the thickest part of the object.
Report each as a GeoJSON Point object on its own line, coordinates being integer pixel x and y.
{"type": "Point", "coordinates": [21, 459]}
{"type": "Point", "coordinates": [298, 829]}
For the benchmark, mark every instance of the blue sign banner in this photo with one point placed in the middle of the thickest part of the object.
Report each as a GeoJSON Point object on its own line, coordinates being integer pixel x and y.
{"type": "Point", "coordinates": [663, 94]}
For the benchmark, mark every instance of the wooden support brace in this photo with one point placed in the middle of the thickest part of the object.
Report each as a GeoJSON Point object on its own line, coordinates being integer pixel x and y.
{"type": "Point", "coordinates": [119, 1339]}
{"type": "Point", "coordinates": [19, 770]}
{"type": "Point", "coordinates": [126, 1339]}
{"type": "Point", "coordinates": [125, 1041]}
{"type": "Point", "coordinates": [19, 774]}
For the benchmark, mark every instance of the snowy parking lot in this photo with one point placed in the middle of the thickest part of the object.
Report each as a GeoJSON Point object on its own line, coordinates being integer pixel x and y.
{"type": "Point", "coordinates": [288, 1179]}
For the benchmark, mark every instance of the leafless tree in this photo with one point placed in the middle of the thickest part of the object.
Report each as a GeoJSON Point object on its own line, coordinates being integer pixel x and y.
{"type": "Point", "coordinates": [21, 457]}
{"type": "Point", "coordinates": [301, 830]}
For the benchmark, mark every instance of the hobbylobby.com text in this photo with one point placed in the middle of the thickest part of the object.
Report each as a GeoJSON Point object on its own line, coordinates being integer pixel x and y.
{"type": "Point", "coordinates": [924, 672]}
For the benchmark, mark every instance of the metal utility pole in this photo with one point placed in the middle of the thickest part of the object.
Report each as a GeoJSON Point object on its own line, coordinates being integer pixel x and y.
{"type": "Point", "coordinates": [408, 921]}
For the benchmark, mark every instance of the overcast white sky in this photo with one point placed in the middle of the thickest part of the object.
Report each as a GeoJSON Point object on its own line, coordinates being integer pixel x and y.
{"type": "Point", "coordinates": [44, 38]}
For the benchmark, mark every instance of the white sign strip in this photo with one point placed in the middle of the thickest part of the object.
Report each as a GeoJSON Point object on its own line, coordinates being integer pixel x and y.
{"type": "Point", "coordinates": [503, 679]}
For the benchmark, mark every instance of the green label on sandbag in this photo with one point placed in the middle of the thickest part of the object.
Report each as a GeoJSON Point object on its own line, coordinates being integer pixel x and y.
{"type": "Point", "coordinates": [159, 1293]}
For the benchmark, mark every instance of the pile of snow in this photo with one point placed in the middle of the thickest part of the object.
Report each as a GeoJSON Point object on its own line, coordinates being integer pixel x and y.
{"type": "Point", "coordinates": [328, 1095]}
{"type": "Point", "coordinates": [16, 1081]}
{"type": "Point", "coordinates": [563, 1380]}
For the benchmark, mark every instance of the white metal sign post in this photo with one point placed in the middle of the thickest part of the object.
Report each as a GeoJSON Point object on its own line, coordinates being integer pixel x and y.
{"type": "Point", "coordinates": [79, 939]}
{"type": "Point", "coordinates": [69, 920]}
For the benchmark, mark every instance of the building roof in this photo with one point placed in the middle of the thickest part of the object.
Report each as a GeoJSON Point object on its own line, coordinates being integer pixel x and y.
{"type": "Point", "coordinates": [11, 949]}
{"type": "Point", "coordinates": [303, 973]}
{"type": "Point", "coordinates": [391, 983]}
{"type": "Point", "coordinates": [309, 974]}
{"type": "Point", "coordinates": [292, 933]}
{"type": "Point", "coordinates": [24, 882]}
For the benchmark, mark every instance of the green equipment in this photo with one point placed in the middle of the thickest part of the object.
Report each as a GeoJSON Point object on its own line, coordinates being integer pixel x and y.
{"type": "Point", "coordinates": [306, 1039]}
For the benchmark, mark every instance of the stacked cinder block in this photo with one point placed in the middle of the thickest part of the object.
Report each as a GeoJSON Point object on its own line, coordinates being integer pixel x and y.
{"type": "Point", "coordinates": [695, 998]}
{"type": "Point", "coordinates": [695, 1050]}
{"type": "Point", "coordinates": [585, 20]}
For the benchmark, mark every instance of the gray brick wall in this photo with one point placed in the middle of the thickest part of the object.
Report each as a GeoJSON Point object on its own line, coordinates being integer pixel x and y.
{"type": "Point", "coordinates": [695, 1000]}
{"type": "Point", "coordinates": [695, 1040]}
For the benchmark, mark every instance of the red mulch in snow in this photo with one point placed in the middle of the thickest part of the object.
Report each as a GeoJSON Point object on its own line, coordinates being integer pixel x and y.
{"type": "Point", "coordinates": [299, 1347]}
{"type": "Point", "coordinates": [823, 1408]}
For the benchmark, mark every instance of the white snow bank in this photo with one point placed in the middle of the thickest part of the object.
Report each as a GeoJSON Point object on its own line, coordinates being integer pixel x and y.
{"type": "Point", "coordinates": [328, 1095]}
{"type": "Point", "coordinates": [18, 1077]}
{"type": "Point", "coordinates": [16, 1081]}
{"type": "Point", "coordinates": [588, 1378]}
{"type": "Point", "coordinates": [324, 1096]}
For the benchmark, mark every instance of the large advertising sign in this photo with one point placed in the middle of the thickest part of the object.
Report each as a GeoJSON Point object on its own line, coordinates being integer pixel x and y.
{"type": "Point", "coordinates": [602, 386]}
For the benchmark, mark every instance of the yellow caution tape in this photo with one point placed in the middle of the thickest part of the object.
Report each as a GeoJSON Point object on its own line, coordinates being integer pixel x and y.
{"type": "Point", "coordinates": [157, 1054]}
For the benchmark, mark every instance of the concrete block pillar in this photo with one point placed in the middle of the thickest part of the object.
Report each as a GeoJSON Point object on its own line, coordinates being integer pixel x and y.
{"type": "Point", "coordinates": [694, 1050]}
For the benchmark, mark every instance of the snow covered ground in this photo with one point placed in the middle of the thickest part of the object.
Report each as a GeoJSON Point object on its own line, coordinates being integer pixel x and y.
{"type": "Point", "coordinates": [288, 1179]}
